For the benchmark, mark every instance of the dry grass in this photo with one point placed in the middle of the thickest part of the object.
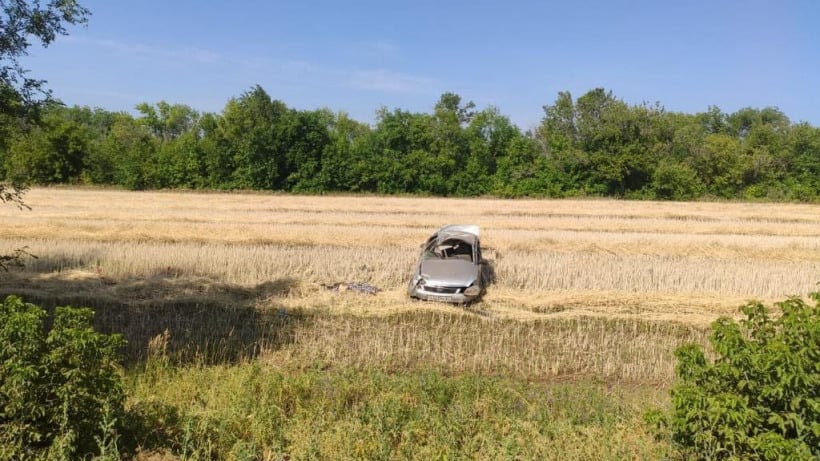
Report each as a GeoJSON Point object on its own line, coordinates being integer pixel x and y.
{"type": "Point", "coordinates": [574, 278]}
{"type": "Point", "coordinates": [539, 349]}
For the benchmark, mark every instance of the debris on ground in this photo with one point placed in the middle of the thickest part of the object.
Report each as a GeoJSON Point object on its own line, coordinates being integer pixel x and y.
{"type": "Point", "coordinates": [358, 287]}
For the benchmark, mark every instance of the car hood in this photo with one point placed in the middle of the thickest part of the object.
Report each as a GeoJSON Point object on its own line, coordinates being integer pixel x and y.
{"type": "Point", "coordinates": [448, 272]}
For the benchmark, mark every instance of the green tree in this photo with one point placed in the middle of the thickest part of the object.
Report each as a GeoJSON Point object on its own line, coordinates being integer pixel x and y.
{"type": "Point", "coordinates": [52, 152]}
{"type": "Point", "coordinates": [11, 127]}
{"type": "Point", "coordinates": [488, 136]}
{"type": "Point", "coordinates": [720, 165]}
{"type": "Point", "coordinates": [742, 121]}
{"type": "Point", "coordinates": [713, 121]}
{"type": "Point", "coordinates": [305, 134]}
{"type": "Point", "coordinates": [168, 121]}
{"type": "Point", "coordinates": [558, 131]}
{"type": "Point", "coordinates": [345, 156]}
{"type": "Point", "coordinates": [21, 96]}
{"type": "Point", "coordinates": [248, 133]}
{"type": "Point", "coordinates": [22, 22]}
{"type": "Point", "coordinates": [596, 115]}
{"type": "Point", "coordinates": [450, 103]}
{"type": "Point", "coordinates": [686, 136]}
{"type": "Point", "coordinates": [178, 159]}
{"type": "Point", "coordinates": [524, 170]}
{"type": "Point", "coordinates": [606, 146]}
{"type": "Point", "coordinates": [131, 149]}
{"type": "Point", "coordinates": [760, 397]}
{"type": "Point", "coordinates": [216, 156]}
{"type": "Point", "coordinates": [675, 181]}
{"type": "Point", "coordinates": [449, 145]}
{"type": "Point", "coordinates": [179, 162]}
{"type": "Point", "coordinates": [804, 146]}
{"type": "Point", "coordinates": [402, 155]}
{"type": "Point", "coordinates": [96, 124]}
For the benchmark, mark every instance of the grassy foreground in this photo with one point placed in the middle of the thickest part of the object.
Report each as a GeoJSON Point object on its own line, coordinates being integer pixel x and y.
{"type": "Point", "coordinates": [406, 386]}
{"type": "Point", "coordinates": [250, 411]}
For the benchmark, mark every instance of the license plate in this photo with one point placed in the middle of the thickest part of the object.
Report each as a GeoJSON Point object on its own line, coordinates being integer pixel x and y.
{"type": "Point", "coordinates": [440, 298]}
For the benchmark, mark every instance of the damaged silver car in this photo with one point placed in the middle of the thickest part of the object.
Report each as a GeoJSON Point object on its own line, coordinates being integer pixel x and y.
{"type": "Point", "coordinates": [450, 267]}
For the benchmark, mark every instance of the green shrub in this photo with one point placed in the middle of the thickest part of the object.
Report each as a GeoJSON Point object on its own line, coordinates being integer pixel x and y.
{"type": "Point", "coordinates": [760, 397]}
{"type": "Point", "coordinates": [676, 181]}
{"type": "Point", "coordinates": [61, 394]}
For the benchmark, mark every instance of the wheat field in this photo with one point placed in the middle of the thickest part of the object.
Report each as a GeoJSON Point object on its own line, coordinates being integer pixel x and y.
{"type": "Point", "coordinates": [577, 270]}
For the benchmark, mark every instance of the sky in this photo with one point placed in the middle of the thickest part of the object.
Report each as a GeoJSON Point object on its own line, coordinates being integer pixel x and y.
{"type": "Point", "coordinates": [358, 56]}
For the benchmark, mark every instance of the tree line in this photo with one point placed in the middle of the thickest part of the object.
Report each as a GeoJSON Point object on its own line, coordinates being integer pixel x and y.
{"type": "Point", "coordinates": [593, 145]}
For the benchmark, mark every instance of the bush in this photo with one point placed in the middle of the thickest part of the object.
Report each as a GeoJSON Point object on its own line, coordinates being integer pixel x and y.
{"type": "Point", "coordinates": [676, 181]}
{"type": "Point", "coordinates": [759, 399]}
{"type": "Point", "coordinates": [61, 394]}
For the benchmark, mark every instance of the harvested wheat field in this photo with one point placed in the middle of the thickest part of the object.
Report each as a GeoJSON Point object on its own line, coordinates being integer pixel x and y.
{"type": "Point", "coordinates": [582, 287]}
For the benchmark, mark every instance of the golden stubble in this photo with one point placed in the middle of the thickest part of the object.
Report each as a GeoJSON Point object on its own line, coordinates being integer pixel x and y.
{"type": "Point", "coordinates": [540, 249]}
{"type": "Point", "coordinates": [564, 267]}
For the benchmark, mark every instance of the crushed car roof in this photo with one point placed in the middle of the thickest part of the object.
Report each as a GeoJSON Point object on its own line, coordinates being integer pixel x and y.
{"type": "Point", "coordinates": [466, 232]}
{"type": "Point", "coordinates": [466, 228]}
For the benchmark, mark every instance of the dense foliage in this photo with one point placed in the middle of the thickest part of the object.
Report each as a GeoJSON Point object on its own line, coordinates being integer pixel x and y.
{"type": "Point", "coordinates": [21, 22]}
{"type": "Point", "coordinates": [61, 395]}
{"type": "Point", "coordinates": [593, 145]}
{"type": "Point", "coordinates": [250, 412]}
{"type": "Point", "coordinates": [21, 96]}
{"type": "Point", "coordinates": [760, 398]}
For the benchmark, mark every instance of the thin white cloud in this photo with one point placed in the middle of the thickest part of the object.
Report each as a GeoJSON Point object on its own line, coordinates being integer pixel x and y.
{"type": "Point", "coordinates": [139, 50]}
{"type": "Point", "coordinates": [384, 47]}
{"type": "Point", "coordinates": [300, 68]}
{"type": "Point", "coordinates": [381, 48]}
{"type": "Point", "coordinates": [130, 97]}
{"type": "Point", "coordinates": [373, 49]}
{"type": "Point", "coordinates": [378, 80]}
{"type": "Point", "coordinates": [389, 81]}
{"type": "Point", "coordinates": [203, 56]}
{"type": "Point", "coordinates": [292, 72]}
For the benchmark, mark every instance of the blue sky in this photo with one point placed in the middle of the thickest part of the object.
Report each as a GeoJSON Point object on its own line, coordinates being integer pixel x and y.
{"type": "Point", "coordinates": [357, 56]}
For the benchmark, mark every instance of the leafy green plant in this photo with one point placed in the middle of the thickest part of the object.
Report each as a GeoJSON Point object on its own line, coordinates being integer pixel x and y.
{"type": "Point", "coordinates": [676, 181]}
{"type": "Point", "coordinates": [760, 397]}
{"type": "Point", "coordinates": [61, 395]}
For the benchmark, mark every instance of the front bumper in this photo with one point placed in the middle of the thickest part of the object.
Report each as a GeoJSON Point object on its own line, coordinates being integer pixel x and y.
{"type": "Point", "coordinates": [441, 294]}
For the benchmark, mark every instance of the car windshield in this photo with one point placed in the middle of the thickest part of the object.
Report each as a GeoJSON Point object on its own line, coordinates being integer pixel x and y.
{"type": "Point", "coordinates": [448, 249]}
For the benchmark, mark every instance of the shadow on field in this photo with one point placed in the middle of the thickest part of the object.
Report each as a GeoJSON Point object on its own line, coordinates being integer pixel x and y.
{"type": "Point", "coordinates": [206, 321]}
{"type": "Point", "coordinates": [488, 271]}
